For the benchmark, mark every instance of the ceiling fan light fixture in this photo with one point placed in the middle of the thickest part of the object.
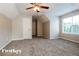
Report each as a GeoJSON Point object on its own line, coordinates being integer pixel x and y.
{"type": "Point", "coordinates": [36, 8]}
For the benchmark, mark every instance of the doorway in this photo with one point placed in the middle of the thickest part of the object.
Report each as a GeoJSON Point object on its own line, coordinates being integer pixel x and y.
{"type": "Point", "coordinates": [40, 27]}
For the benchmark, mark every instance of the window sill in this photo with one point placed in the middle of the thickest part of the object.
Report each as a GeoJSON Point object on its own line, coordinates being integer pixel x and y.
{"type": "Point", "coordinates": [70, 33]}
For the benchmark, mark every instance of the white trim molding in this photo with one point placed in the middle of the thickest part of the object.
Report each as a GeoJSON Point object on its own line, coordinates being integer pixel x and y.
{"type": "Point", "coordinates": [5, 44]}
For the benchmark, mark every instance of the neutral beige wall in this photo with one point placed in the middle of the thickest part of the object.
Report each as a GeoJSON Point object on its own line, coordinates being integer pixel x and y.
{"type": "Point", "coordinates": [17, 29]}
{"type": "Point", "coordinates": [46, 29]}
{"type": "Point", "coordinates": [71, 37]}
{"type": "Point", "coordinates": [54, 27]}
{"type": "Point", "coordinates": [39, 28]}
{"type": "Point", "coordinates": [22, 28]}
{"type": "Point", "coordinates": [5, 30]}
{"type": "Point", "coordinates": [27, 27]}
{"type": "Point", "coordinates": [33, 28]}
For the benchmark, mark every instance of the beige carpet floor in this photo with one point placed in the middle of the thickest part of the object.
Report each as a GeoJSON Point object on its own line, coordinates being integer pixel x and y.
{"type": "Point", "coordinates": [43, 47]}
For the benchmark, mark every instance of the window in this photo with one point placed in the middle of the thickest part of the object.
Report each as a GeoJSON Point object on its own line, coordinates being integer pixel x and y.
{"type": "Point", "coordinates": [71, 25]}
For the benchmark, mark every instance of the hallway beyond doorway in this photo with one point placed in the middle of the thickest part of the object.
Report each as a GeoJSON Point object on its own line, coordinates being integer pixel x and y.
{"type": "Point", "coordinates": [40, 26]}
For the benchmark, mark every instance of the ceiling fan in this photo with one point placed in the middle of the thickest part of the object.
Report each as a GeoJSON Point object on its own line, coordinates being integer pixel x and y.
{"type": "Point", "coordinates": [36, 7]}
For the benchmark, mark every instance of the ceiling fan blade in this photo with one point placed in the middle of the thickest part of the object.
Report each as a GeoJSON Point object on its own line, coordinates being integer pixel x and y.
{"type": "Point", "coordinates": [46, 7]}
{"type": "Point", "coordinates": [32, 3]}
{"type": "Point", "coordinates": [29, 8]}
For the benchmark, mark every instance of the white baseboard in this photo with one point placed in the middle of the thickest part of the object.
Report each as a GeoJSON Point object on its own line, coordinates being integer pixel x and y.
{"type": "Point", "coordinates": [18, 39]}
{"type": "Point", "coordinates": [10, 42]}
{"type": "Point", "coordinates": [5, 44]}
{"type": "Point", "coordinates": [54, 38]}
{"type": "Point", "coordinates": [69, 39]}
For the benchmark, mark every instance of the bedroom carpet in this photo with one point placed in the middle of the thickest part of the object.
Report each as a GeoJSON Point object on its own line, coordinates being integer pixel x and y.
{"type": "Point", "coordinates": [43, 47]}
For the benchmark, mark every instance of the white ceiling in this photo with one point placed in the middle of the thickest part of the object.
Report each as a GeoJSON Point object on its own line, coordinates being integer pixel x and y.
{"type": "Point", "coordinates": [64, 8]}
{"type": "Point", "coordinates": [22, 8]}
{"type": "Point", "coordinates": [58, 8]}
{"type": "Point", "coordinates": [12, 10]}
{"type": "Point", "coordinates": [9, 10]}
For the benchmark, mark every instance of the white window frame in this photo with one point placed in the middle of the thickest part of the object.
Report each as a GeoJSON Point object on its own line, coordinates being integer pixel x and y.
{"type": "Point", "coordinates": [63, 27]}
